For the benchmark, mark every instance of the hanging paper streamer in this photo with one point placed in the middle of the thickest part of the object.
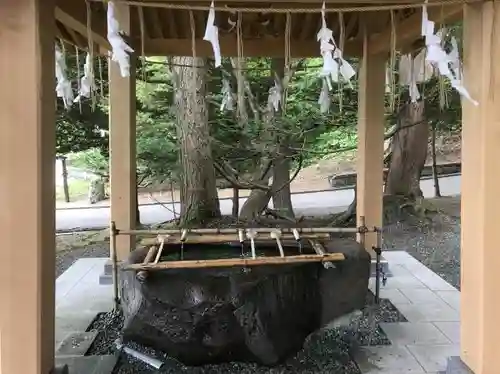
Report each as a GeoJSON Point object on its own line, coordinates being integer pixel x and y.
{"type": "Point", "coordinates": [87, 81]}
{"type": "Point", "coordinates": [63, 87]}
{"type": "Point", "coordinates": [324, 98]}
{"type": "Point", "coordinates": [448, 65]}
{"type": "Point", "coordinates": [388, 82]}
{"type": "Point", "coordinates": [275, 94]}
{"type": "Point", "coordinates": [333, 61]}
{"type": "Point", "coordinates": [212, 35]}
{"type": "Point", "coordinates": [227, 96]}
{"type": "Point", "coordinates": [120, 49]}
{"type": "Point", "coordinates": [413, 71]}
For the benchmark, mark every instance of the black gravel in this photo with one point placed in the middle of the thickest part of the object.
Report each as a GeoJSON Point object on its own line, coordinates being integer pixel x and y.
{"type": "Point", "coordinates": [435, 243]}
{"type": "Point", "coordinates": [65, 259]}
{"type": "Point", "coordinates": [327, 351]}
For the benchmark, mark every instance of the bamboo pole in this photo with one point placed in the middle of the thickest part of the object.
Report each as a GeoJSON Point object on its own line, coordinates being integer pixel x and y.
{"type": "Point", "coordinates": [362, 235]}
{"type": "Point", "coordinates": [268, 230]}
{"type": "Point", "coordinates": [225, 238]}
{"type": "Point", "coordinates": [230, 262]}
{"type": "Point", "coordinates": [149, 257]}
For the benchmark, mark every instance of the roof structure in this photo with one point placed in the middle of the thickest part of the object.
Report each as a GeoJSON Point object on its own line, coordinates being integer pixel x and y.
{"type": "Point", "coordinates": [163, 28]}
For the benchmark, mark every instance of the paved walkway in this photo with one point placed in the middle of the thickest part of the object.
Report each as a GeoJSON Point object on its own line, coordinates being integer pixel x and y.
{"type": "Point", "coordinates": [431, 336]}
{"type": "Point", "coordinates": [313, 203]}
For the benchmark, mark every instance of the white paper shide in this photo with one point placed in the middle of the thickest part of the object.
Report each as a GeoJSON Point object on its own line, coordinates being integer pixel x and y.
{"type": "Point", "coordinates": [212, 35]}
{"type": "Point", "coordinates": [87, 83]}
{"type": "Point", "coordinates": [334, 65]}
{"type": "Point", "coordinates": [119, 48]}
{"type": "Point", "coordinates": [63, 85]}
{"type": "Point", "coordinates": [446, 64]}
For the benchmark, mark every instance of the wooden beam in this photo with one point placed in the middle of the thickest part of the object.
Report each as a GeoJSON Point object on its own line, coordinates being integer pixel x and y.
{"type": "Point", "coordinates": [73, 14]}
{"type": "Point", "coordinates": [27, 192]}
{"type": "Point", "coordinates": [371, 121]}
{"type": "Point", "coordinates": [409, 30]}
{"type": "Point", "coordinates": [122, 144]}
{"type": "Point", "coordinates": [269, 47]}
{"type": "Point", "coordinates": [480, 259]}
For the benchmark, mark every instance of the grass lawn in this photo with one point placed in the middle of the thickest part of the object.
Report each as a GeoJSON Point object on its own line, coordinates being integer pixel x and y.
{"type": "Point", "coordinates": [78, 190]}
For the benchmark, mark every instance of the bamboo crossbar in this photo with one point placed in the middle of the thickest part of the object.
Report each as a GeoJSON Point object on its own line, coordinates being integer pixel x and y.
{"type": "Point", "coordinates": [231, 262]}
{"type": "Point", "coordinates": [224, 238]}
{"type": "Point", "coordinates": [263, 230]}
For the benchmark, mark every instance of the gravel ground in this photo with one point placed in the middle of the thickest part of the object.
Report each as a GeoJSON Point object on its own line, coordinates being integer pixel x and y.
{"type": "Point", "coordinates": [65, 259]}
{"type": "Point", "coordinates": [328, 351]}
{"type": "Point", "coordinates": [436, 244]}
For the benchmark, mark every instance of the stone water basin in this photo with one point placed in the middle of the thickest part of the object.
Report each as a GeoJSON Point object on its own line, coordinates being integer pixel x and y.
{"type": "Point", "coordinates": [261, 314]}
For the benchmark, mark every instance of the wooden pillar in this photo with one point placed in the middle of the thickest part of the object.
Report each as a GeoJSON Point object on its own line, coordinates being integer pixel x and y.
{"type": "Point", "coordinates": [480, 256]}
{"type": "Point", "coordinates": [122, 144]}
{"type": "Point", "coordinates": [27, 186]}
{"type": "Point", "coordinates": [370, 162]}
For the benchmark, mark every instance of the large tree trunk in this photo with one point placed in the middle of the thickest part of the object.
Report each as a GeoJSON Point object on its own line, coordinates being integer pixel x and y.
{"type": "Point", "coordinates": [282, 199]}
{"type": "Point", "coordinates": [409, 152]}
{"type": "Point", "coordinates": [199, 201]}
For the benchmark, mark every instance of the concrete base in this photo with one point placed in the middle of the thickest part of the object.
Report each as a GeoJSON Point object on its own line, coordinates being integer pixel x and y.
{"type": "Point", "coordinates": [89, 364]}
{"type": "Point", "coordinates": [456, 366]}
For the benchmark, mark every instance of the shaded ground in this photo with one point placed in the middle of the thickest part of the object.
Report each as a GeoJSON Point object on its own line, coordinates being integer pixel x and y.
{"type": "Point", "coordinates": [328, 351]}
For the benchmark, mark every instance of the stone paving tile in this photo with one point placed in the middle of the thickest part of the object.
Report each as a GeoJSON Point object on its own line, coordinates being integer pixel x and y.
{"type": "Point", "coordinates": [402, 333]}
{"type": "Point", "coordinates": [76, 344]}
{"type": "Point", "coordinates": [89, 364]}
{"type": "Point", "coordinates": [429, 312]}
{"type": "Point", "coordinates": [422, 296]}
{"type": "Point", "coordinates": [394, 295]}
{"type": "Point", "coordinates": [434, 357]}
{"type": "Point", "coordinates": [66, 281]}
{"type": "Point", "coordinates": [388, 359]}
{"type": "Point", "coordinates": [450, 329]}
{"type": "Point", "coordinates": [398, 282]}
{"type": "Point", "coordinates": [452, 298]}
{"type": "Point", "coordinates": [398, 270]}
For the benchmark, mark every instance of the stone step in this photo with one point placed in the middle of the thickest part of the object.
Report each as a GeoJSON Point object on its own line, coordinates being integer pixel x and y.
{"type": "Point", "coordinates": [456, 366]}
{"type": "Point", "coordinates": [69, 322]}
{"type": "Point", "coordinates": [76, 344]}
{"type": "Point", "coordinates": [88, 364]}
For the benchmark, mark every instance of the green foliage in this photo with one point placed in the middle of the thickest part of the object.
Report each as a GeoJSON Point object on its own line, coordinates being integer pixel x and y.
{"type": "Point", "coordinates": [314, 134]}
{"type": "Point", "coordinates": [92, 160]}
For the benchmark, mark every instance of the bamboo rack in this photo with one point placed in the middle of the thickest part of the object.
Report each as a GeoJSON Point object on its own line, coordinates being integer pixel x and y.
{"type": "Point", "coordinates": [230, 262]}
{"type": "Point", "coordinates": [261, 230]}
{"type": "Point", "coordinates": [198, 236]}
{"type": "Point", "coordinates": [222, 238]}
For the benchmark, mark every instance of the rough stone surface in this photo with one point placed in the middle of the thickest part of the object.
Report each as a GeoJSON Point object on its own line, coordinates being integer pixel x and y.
{"type": "Point", "coordinates": [263, 315]}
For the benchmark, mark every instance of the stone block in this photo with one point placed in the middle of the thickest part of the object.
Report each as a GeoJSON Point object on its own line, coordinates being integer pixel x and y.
{"type": "Point", "coordinates": [76, 344]}
{"type": "Point", "coordinates": [262, 315]}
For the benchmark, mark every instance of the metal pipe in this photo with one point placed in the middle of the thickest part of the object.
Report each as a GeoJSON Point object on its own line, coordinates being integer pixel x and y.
{"type": "Point", "coordinates": [324, 230]}
{"type": "Point", "coordinates": [114, 262]}
{"type": "Point", "coordinates": [378, 252]}
{"type": "Point", "coordinates": [151, 361]}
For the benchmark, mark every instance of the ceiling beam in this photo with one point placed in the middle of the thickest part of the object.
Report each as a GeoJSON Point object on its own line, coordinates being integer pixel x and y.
{"type": "Point", "coordinates": [73, 14]}
{"type": "Point", "coordinates": [409, 30]}
{"type": "Point", "coordinates": [292, 3]}
{"type": "Point", "coordinates": [264, 47]}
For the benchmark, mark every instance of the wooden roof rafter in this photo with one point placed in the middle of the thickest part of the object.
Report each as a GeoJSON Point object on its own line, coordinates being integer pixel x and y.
{"type": "Point", "coordinates": [167, 31]}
